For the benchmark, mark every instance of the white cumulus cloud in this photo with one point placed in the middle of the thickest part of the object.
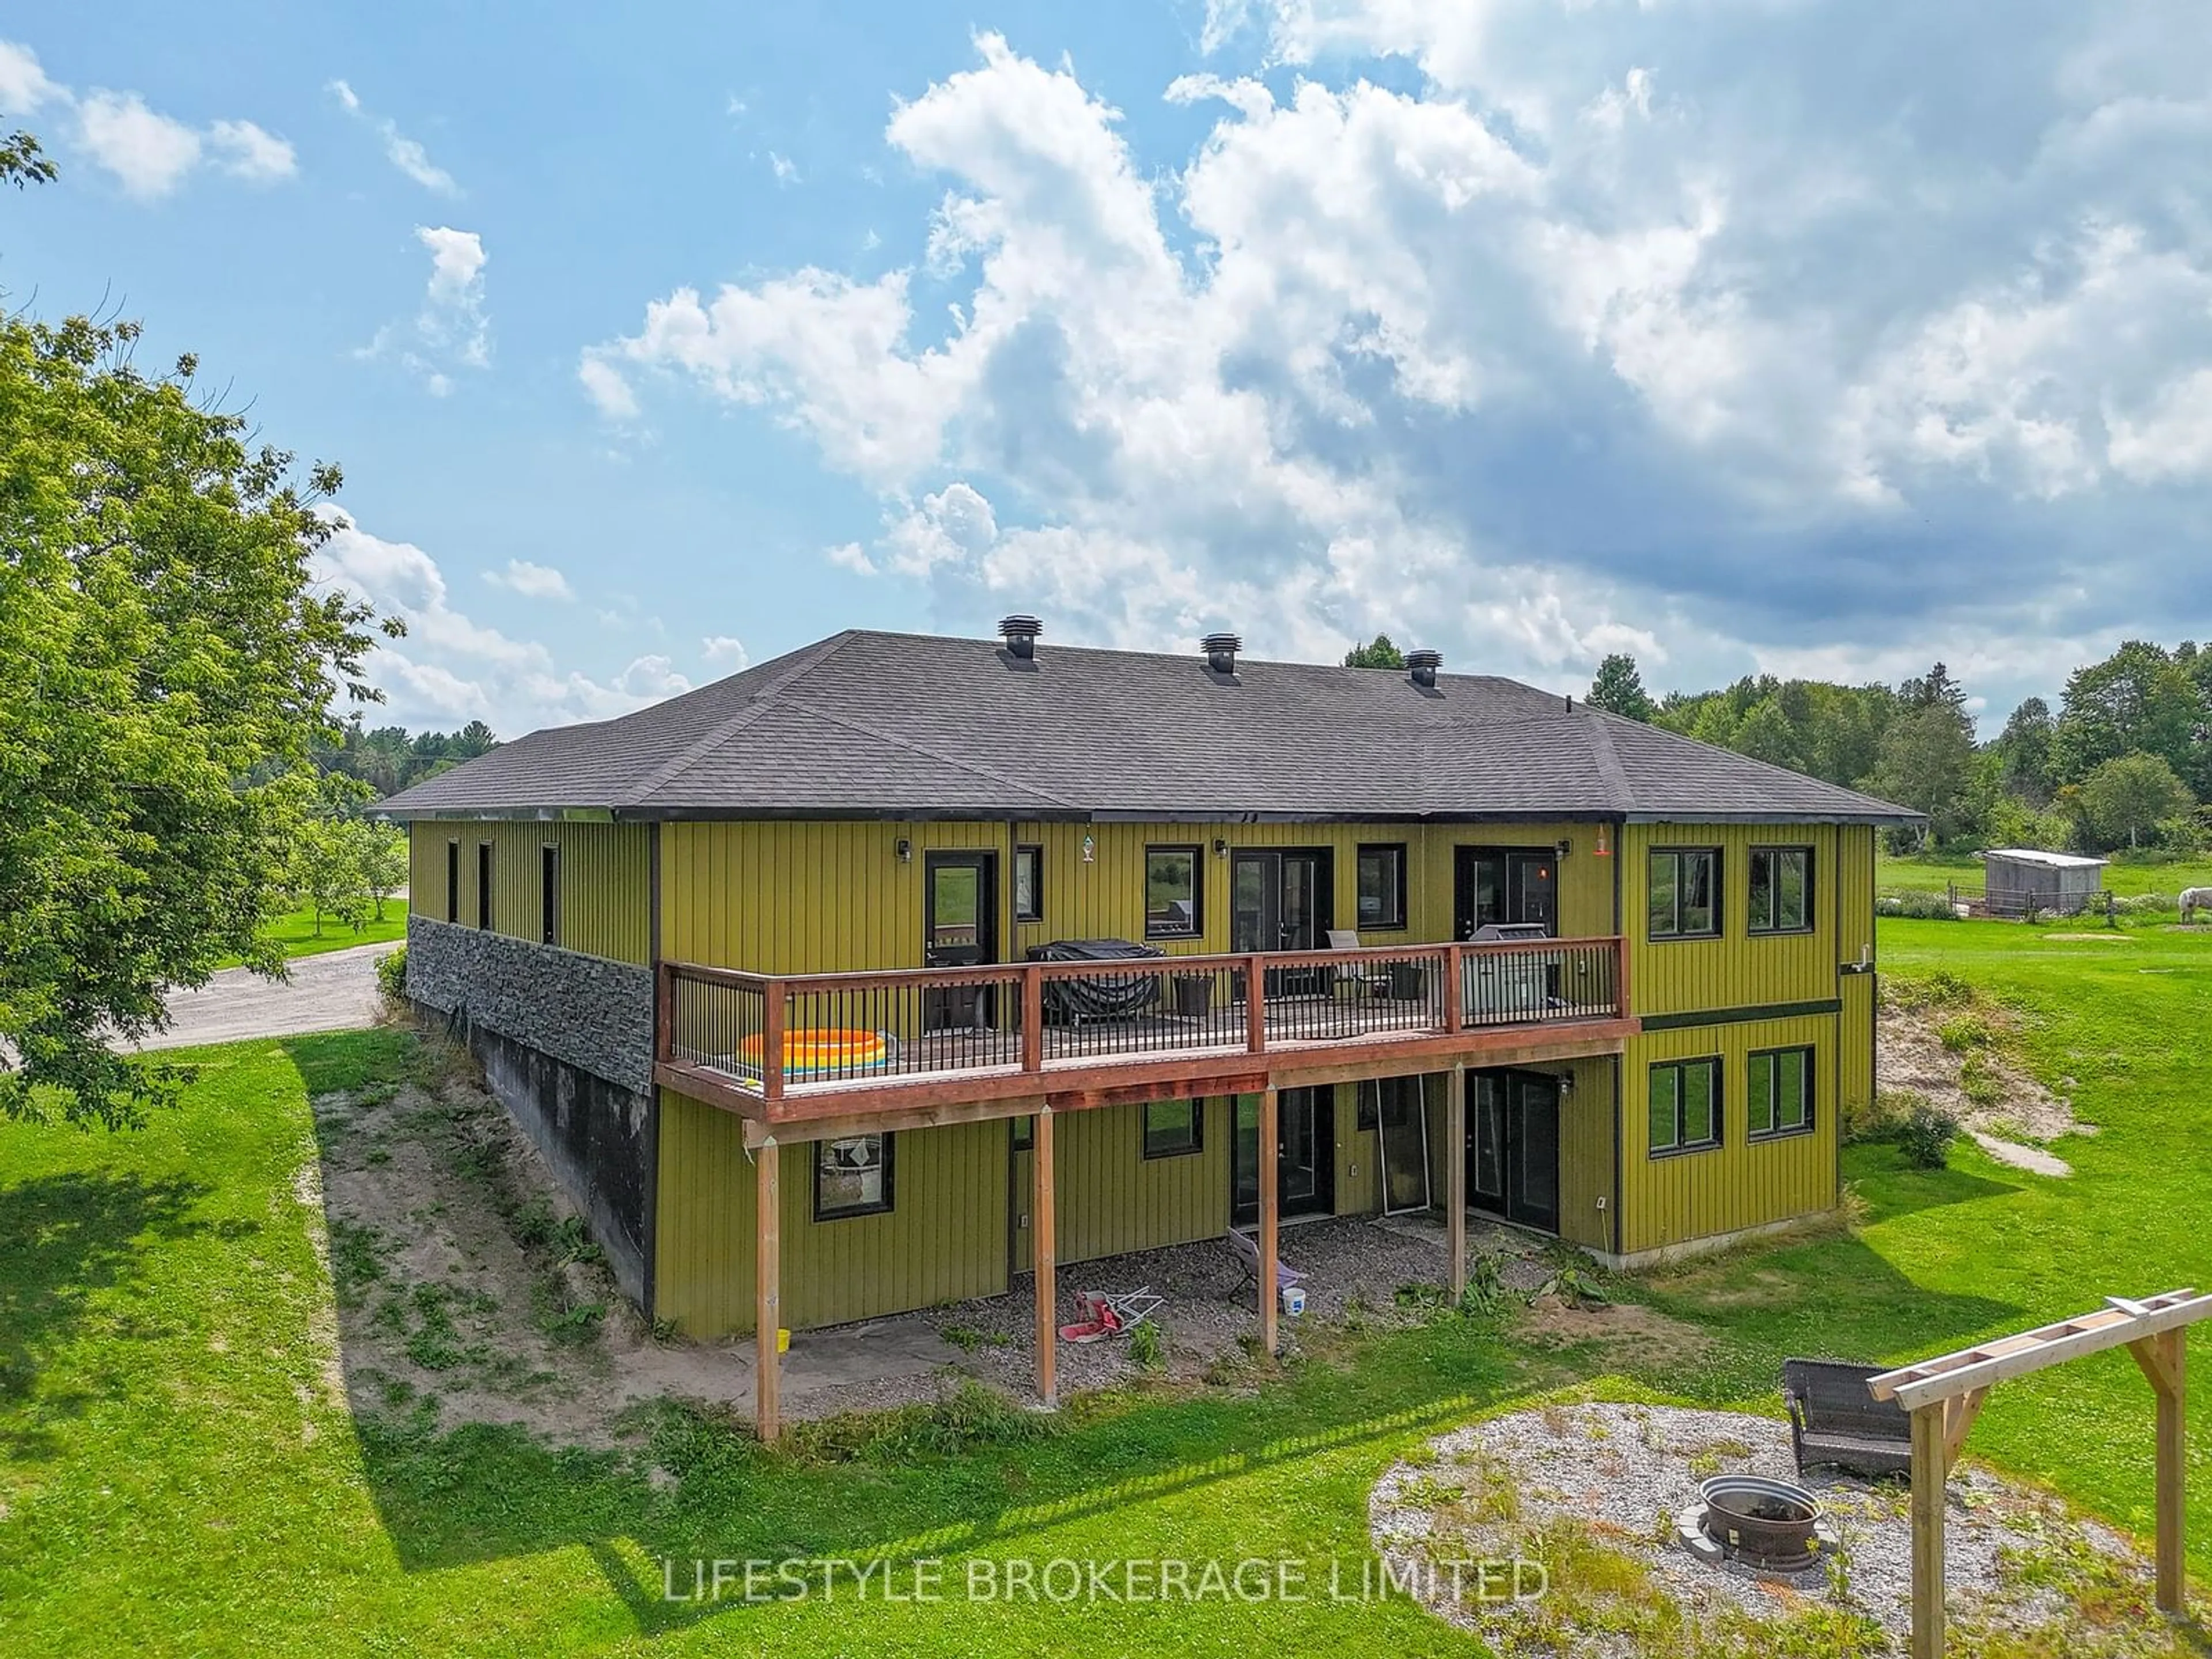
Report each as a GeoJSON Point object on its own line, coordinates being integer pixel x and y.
{"type": "Point", "coordinates": [535, 581]}
{"type": "Point", "coordinates": [403, 153]}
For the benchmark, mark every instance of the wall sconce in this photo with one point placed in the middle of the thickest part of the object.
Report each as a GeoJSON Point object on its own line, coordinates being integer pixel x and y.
{"type": "Point", "coordinates": [1566, 1085]}
{"type": "Point", "coordinates": [904, 849]}
{"type": "Point", "coordinates": [1220, 847]}
{"type": "Point", "coordinates": [1604, 848]}
{"type": "Point", "coordinates": [1090, 850]}
{"type": "Point", "coordinates": [1561, 850]}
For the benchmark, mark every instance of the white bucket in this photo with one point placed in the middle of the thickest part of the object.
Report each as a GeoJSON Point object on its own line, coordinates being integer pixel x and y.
{"type": "Point", "coordinates": [1294, 1300]}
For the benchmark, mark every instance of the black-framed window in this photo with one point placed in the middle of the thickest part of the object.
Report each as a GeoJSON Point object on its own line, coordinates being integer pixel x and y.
{"type": "Point", "coordinates": [1029, 884]}
{"type": "Point", "coordinates": [1382, 886]}
{"type": "Point", "coordinates": [483, 884]}
{"type": "Point", "coordinates": [853, 1176]}
{"type": "Point", "coordinates": [1778, 1095]}
{"type": "Point", "coordinates": [1685, 892]}
{"type": "Point", "coordinates": [1174, 880]}
{"type": "Point", "coordinates": [549, 895]}
{"type": "Point", "coordinates": [452, 881]}
{"type": "Point", "coordinates": [1684, 1106]}
{"type": "Point", "coordinates": [1021, 1133]}
{"type": "Point", "coordinates": [1781, 890]}
{"type": "Point", "coordinates": [1174, 1129]}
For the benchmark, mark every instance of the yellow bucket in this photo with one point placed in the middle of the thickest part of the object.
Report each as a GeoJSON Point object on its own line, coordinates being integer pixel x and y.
{"type": "Point", "coordinates": [782, 1340]}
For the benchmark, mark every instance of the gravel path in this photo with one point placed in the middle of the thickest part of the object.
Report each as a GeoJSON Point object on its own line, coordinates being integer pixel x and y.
{"type": "Point", "coordinates": [1623, 1471]}
{"type": "Point", "coordinates": [333, 992]}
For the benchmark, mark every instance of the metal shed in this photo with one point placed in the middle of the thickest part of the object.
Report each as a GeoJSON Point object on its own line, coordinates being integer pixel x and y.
{"type": "Point", "coordinates": [2018, 879]}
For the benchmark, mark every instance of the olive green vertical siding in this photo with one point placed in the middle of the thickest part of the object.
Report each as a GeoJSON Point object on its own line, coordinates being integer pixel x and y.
{"type": "Point", "coordinates": [1679, 1197]}
{"type": "Point", "coordinates": [605, 903]}
{"type": "Point", "coordinates": [825, 897]}
{"type": "Point", "coordinates": [1586, 1136]}
{"type": "Point", "coordinates": [1111, 1198]}
{"type": "Point", "coordinates": [1855, 1025]}
{"type": "Point", "coordinates": [944, 1239]}
{"type": "Point", "coordinates": [1359, 1174]}
{"type": "Point", "coordinates": [1736, 969]}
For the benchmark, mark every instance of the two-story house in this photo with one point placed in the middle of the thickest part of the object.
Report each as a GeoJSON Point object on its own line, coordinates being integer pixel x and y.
{"type": "Point", "coordinates": [881, 974]}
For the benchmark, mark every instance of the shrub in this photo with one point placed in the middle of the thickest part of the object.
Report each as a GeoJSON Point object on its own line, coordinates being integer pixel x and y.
{"type": "Point", "coordinates": [1939, 987]}
{"type": "Point", "coordinates": [1926, 1135]}
{"type": "Point", "coordinates": [391, 977]}
{"type": "Point", "coordinates": [1965, 1032]}
{"type": "Point", "coordinates": [1917, 906]}
{"type": "Point", "coordinates": [1881, 1118]}
{"type": "Point", "coordinates": [1148, 1347]}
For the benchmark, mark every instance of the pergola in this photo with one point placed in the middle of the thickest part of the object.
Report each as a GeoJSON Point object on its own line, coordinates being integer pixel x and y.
{"type": "Point", "coordinates": [1945, 1394]}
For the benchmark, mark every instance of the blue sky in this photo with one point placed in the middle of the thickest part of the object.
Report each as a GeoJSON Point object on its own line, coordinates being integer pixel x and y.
{"type": "Point", "coordinates": [1741, 334]}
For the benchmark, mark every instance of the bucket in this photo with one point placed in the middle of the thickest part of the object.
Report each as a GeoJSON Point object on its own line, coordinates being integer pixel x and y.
{"type": "Point", "coordinates": [1294, 1300]}
{"type": "Point", "coordinates": [782, 1340]}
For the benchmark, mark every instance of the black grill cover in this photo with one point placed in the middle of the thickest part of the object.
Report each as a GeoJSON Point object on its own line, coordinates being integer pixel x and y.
{"type": "Point", "coordinates": [1099, 996]}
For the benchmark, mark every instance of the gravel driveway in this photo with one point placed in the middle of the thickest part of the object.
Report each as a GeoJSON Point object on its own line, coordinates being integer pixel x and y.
{"type": "Point", "coordinates": [336, 991]}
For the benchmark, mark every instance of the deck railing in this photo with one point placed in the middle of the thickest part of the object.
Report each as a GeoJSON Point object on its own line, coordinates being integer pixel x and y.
{"type": "Point", "coordinates": [769, 1034]}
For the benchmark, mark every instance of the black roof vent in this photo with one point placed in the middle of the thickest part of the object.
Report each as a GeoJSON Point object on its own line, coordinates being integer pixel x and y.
{"type": "Point", "coordinates": [1221, 651]}
{"type": "Point", "coordinates": [1020, 634]}
{"type": "Point", "coordinates": [1421, 668]}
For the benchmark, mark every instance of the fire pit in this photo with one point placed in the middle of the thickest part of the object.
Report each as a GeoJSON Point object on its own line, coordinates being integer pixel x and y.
{"type": "Point", "coordinates": [1768, 1526]}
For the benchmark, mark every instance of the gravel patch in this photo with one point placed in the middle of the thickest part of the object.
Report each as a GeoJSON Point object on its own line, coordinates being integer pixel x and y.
{"type": "Point", "coordinates": [1625, 1471]}
{"type": "Point", "coordinates": [1354, 1267]}
{"type": "Point", "coordinates": [2032, 1158]}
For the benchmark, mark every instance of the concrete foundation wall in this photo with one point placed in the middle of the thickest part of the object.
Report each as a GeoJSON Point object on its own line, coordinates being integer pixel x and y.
{"type": "Point", "coordinates": [566, 1043]}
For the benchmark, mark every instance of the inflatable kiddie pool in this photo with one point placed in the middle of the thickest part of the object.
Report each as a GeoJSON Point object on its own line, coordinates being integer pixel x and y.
{"type": "Point", "coordinates": [812, 1050]}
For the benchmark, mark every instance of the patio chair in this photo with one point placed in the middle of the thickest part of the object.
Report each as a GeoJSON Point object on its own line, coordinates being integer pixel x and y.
{"type": "Point", "coordinates": [1834, 1420]}
{"type": "Point", "coordinates": [1374, 983]}
{"type": "Point", "coordinates": [1102, 1313]}
{"type": "Point", "coordinates": [1248, 1257]}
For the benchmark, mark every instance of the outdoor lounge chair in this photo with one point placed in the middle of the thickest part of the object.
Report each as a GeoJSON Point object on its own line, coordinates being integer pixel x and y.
{"type": "Point", "coordinates": [1102, 1313]}
{"type": "Point", "coordinates": [1248, 1257]}
{"type": "Point", "coordinates": [1834, 1420]}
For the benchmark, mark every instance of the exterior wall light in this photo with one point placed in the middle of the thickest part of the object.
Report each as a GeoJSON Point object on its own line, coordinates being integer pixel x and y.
{"type": "Point", "coordinates": [1563, 849]}
{"type": "Point", "coordinates": [1221, 846]}
{"type": "Point", "coordinates": [904, 849]}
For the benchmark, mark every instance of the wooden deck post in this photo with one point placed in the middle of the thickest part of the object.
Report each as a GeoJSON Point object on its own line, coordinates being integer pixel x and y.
{"type": "Point", "coordinates": [1929, 1470]}
{"type": "Point", "coordinates": [2164, 1358]}
{"type": "Point", "coordinates": [1043, 1248]}
{"type": "Point", "coordinates": [1456, 1179]}
{"type": "Point", "coordinates": [768, 1290]}
{"type": "Point", "coordinates": [1255, 1005]}
{"type": "Point", "coordinates": [1032, 1018]}
{"type": "Point", "coordinates": [1270, 1296]}
{"type": "Point", "coordinates": [1454, 998]}
{"type": "Point", "coordinates": [772, 1018]}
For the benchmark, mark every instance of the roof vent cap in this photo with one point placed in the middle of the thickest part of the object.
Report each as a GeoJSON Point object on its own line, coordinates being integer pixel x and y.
{"type": "Point", "coordinates": [1020, 634]}
{"type": "Point", "coordinates": [1221, 651]}
{"type": "Point", "coordinates": [1421, 668]}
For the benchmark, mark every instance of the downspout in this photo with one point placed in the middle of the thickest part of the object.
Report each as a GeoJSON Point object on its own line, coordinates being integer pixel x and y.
{"type": "Point", "coordinates": [1620, 1060]}
{"type": "Point", "coordinates": [652, 1217]}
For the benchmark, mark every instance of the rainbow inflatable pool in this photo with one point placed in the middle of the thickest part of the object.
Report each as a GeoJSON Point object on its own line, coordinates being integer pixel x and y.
{"type": "Point", "coordinates": [812, 1049]}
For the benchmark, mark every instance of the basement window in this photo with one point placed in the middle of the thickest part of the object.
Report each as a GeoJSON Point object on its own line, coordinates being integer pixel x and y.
{"type": "Point", "coordinates": [483, 884]}
{"type": "Point", "coordinates": [1174, 1129]}
{"type": "Point", "coordinates": [1686, 1106]}
{"type": "Point", "coordinates": [1778, 1095]}
{"type": "Point", "coordinates": [452, 881]}
{"type": "Point", "coordinates": [851, 1176]}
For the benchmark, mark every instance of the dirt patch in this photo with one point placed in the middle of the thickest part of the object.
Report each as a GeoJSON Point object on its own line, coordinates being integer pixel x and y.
{"type": "Point", "coordinates": [465, 1282]}
{"type": "Point", "coordinates": [2099, 938]}
{"type": "Point", "coordinates": [1977, 1083]}
{"type": "Point", "coordinates": [2034, 1159]}
{"type": "Point", "coordinates": [1553, 1321]}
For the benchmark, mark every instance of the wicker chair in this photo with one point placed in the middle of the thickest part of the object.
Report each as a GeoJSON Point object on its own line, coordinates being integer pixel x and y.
{"type": "Point", "coordinates": [1834, 1420]}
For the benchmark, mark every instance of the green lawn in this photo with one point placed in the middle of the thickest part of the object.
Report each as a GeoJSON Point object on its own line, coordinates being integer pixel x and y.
{"type": "Point", "coordinates": [295, 932]}
{"type": "Point", "coordinates": [1932, 872]}
{"type": "Point", "coordinates": [177, 1479]}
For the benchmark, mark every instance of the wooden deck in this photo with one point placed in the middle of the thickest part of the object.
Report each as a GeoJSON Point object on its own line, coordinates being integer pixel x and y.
{"type": "Point", "coordinates": [995, 1040]}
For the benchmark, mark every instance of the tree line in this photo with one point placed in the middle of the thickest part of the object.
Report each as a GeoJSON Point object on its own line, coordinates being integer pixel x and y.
{"type": "Point", "coordinates": [2123, 764]}
{"type": "Point", "coordinates": [389, 758]}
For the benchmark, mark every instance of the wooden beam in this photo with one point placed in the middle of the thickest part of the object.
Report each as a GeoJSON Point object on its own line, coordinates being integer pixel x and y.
{"type": "Point", "coordinates": [1255, 1003]}
{"type": "Point", "coordinates": [758, 1132]}
{"type": "Point", "coordinates": [2171, 1357]}
{"type": "Point", "coordinates": [1928, 1471]}
{"type": "Point", "coordinates": [1270, 1157]}
{"type": "Point", "coordinates": [1032, 1018]}
{"type": "Point", "coordinates": [1456, 1179]}
{"type": "Point", "coordinates": [1043, 1248]}
{"type": "Point", "coordinates": [768, 1291]}
{"type": "Point", "coordinates": [695, 1083]}
{"type": "Point", "coordinates": [1916, 1385]}
{"type": "Point", "coordinates": [1136, 1094]}
{"type": "Point", "coordinates": [774, 1007]}
{"type": "Point", "coordinates": [2150, 1356]}
{"type": "Point", "coordinates": [1959, 1412]}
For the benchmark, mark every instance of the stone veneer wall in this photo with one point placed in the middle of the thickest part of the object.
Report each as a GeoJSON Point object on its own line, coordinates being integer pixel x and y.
{"type": "Point", "coordinates": [566, 1042]}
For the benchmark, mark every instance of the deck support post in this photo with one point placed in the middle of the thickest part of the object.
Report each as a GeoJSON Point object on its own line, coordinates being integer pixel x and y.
{"type": "Point", "coordinates": [1270, 1156]}
{"type": "Point", "coordinates": [1455, 1180]}
{"type": "Point", "coordinates": [1042, 1247]}
{"type": "Point", "coordinates": [768, 1290]}
{"type": "Point", "coordinates": [2164, 1359]}
{"type": "Point", "coordinates": [1930, 1469]}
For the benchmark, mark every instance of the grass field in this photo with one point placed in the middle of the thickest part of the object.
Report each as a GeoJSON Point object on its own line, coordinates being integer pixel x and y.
{"type": "Point", "coordinates": [295, 932]}
{"type": "Point", "coordinates": [1937, 870]}
{"type": "Point", "coordinates": [180, 1476]}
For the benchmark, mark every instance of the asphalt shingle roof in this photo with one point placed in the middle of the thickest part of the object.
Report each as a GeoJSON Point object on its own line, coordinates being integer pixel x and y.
{"type": "Point", "coordinates": [920, 725]}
